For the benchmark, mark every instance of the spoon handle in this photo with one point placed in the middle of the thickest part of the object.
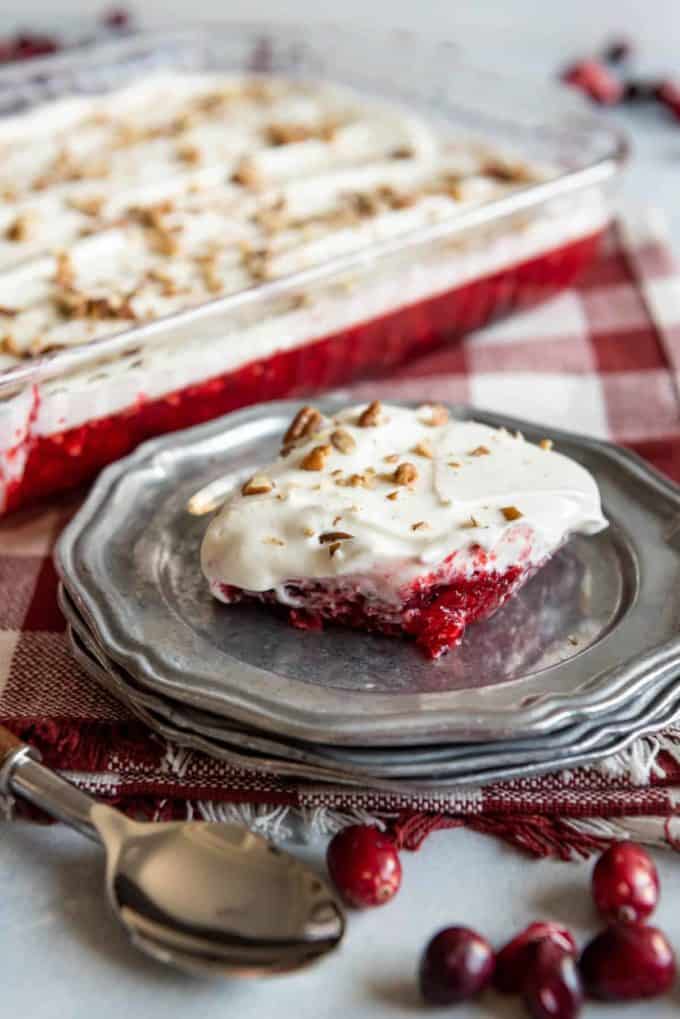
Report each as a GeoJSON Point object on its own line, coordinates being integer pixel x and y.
{"type": "Point", "coordinates": [21, 774]}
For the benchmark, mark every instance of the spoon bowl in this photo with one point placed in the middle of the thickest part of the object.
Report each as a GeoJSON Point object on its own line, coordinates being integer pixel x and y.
{"type": "Point", "coordinates": [205, 897]}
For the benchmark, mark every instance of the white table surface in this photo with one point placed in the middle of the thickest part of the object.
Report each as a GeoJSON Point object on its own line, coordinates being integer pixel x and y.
{"type": "Point", "coordinates": [62, 955]}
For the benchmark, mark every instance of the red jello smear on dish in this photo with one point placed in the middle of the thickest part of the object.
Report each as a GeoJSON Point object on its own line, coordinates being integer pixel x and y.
{"type": "Point", "coordinates": [66, 459]}
{"type": "Point", "coordinates": [435, 614]}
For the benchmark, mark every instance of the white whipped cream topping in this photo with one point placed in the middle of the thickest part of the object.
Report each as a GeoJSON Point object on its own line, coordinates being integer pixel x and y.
{"type": "Point", "coordinates": [480, 488]}
{"type": "Point", "coordinates": [177, 144]}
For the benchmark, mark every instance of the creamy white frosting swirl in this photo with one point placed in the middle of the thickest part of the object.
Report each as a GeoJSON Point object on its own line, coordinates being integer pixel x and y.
{"type": "Point", "coordinates": [474, 487]}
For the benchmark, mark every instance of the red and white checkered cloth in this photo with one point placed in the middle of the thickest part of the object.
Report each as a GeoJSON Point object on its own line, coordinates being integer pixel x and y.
{"type": "Point", "coordinates": [603, 359]}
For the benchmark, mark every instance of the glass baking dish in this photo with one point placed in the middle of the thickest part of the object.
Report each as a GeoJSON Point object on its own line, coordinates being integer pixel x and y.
{"type": "Point", "coordinates": [64, 414]}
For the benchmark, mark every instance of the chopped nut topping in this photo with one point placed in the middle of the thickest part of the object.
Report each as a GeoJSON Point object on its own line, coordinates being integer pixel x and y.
{"type": "Point", "coordinates": [329, 536]}
{"type": "Point", "coordinates": [342, 441]}
{"type": "Point", "coordinates": [421, 525]}
{"type": "Point", "coordinates": [424, 448]}
{"type": "Point", "coordinates": [165, 242]}
{"type": "Point", "coordinates": [273, 217]}
{"type": "Point", "coordinates": [439, 415]}
{"type": "Point", "coordinates": [255, 261]}
{"type": "Point", "coordinates": [335, 547]}
{"type": "Point", "coordinates": [361, 481]}
{"type": "Point", "coordinates": [247, 175]}
{"type": "Point", "coordinates": [392, 458]}
{"type": "Point", "coordinates": [189, 153]}
{"type": "Point", "coordinates": [511, 512]}
{"type": "Point", "coordinates": [287, 134]}
{"type": "Point", "coordinates": [308, 532]}
{"type": "Point", "coordinates": [403, 152]}
{"type": "Point", "coordinates": [76, 304]}
{"type": "Point", "coordinates": [64, 275]}
{"type": "Point", "coordinates": [169, 287]}
{"type": "Point", "coordinates": [273, 541]}
{"type": "Point", "coordinates": [472, 522]}
{"type": "Point", "coordinates": [455, 463]}
{"type": "Point", "coordinates": [336, 520]}
{"type": "Point", "coordinates": [480, 451]}
{"type": "Point", "coordinates": [259, 484]}
{"type": "Point", "coordinates": [10, 312]}
{"type": "Point", "coordinates": [89, 205]}
{"type": "Point", "coordinates": [371, 416]}
{"type": "Point", "coordinates": [306, 423]}
{"type": "Point", "coordinates": [392, 495]}
{"type": "Point", "coordinates": [315, 460]}
{"type": "Point", "coordinates": [211, 277]}
{"type": "Point", "coordinates": [22, 228]}
{"type": "Point", "coordinates": [405, 474]}
{"type": "Point", "coordinates": [546, 444]}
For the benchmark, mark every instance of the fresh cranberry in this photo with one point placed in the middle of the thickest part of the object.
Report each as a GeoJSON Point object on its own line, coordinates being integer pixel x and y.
{"type": "Point", "coordinates": [641, 90]}
{"type": "Point", "coordinates": [552, 987]}
{"type": "Point", "coordinates": [457, 964]}
{"type": "Point", "coordinates": [364, 866]}
{"type": "Point", "coordinates": [628, 961]}
{"type": "Point", "coordinates": [625, 883]}
{"type": "Point", "coordinates": [513, 960]}
{"type": "Point", "coordinates": [617, 50]}
{"type": "Point", "coordinates": [117, 18]}
{"type": "Point", "coordinates": [668, 93]}
{"type": "Point", "coordinates": [596, 80]}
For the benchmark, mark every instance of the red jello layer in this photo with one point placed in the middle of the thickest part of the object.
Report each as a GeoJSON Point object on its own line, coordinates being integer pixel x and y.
{"type": "Point", "coordinates": [65, 459]}
{"type": "Point", "coordinates": [435, 614]}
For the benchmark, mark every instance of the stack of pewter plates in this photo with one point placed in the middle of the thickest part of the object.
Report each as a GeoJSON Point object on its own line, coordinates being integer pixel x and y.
{"type": "Point", "coordinates": [583, 660]}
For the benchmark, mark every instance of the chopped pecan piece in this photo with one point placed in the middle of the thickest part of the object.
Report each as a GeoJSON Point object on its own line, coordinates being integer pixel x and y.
{"type": "Point", "coordinates": [247, 175]}
{"type": "Point", "coordinates": [21, 229]}
{"type": "Point", "coordinates": [546, 444]}
{"type": "Point", "coordinates": [287, 134]}
{"type": "Point", "coordinates": [439, 415]}
{"type": "Point", "coordinates": [306, 422]}
{"type": "Point", "coordinates": [189, 153]}
{"type": "Point", "coordinates": [315, 460]}
{"type": "Point", "coordinates": [405, 474]}
{"type": "Point", "coordinates": [511, 512]}
{"type": "Point", "coordinates": [64, 275]}
{"type": "Point", "coordinates": [424, 448]}
{"type": "Point", "coordinates": [480, 451]}
{"type": "Point", "coordinates": [421, 525]}
{"type": "Point", "coordinates": [342, 441]}
{"type": "Point", "coordinates": [371, 416]}
{"type": "Point", "coordinates": [89, 205]}
{"type": "Point", "coordinates": [329, 536]}
{"type": "Point", "coordinates": [259, 484]}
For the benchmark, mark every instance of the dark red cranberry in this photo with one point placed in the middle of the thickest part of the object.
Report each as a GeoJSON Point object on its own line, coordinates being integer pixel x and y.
{"type": "Point", "coordinates": [668, 93]}
{"type": "Point", "coordinates": [640, 90]}
{"type": "Point", "coordinates": [617, 50]}
{"type": "Point", "coordinates": [513, 960]}
{"type": "Point", "coordinates": [117, 18]}
{"type": "Point", "coordinates": [364, 866]}
{"type": "Point", "coordinates": [30, 44]}
{"type": "Point", "coordinates": [596, 80]}
{"type": "Point", "coordinates": [552, 987]}
{"type": "Point", "coordinates": [457, 964]}
{"type": "Point", "coordinates": [625, 883]}
{"type": "Point", "coordinates": [628, 961]}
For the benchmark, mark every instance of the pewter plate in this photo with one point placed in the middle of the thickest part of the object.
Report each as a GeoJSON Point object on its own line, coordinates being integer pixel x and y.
{"type": "Point", "coordinates": [368, 764]}
{"type": "Point", "coordinates": [605, 740]}
{"type": "Point", "coordinates": [572, 646]}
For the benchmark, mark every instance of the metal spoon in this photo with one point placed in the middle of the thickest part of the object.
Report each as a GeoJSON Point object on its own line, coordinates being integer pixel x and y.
{"type": "Point", "coordinates": [207, 898]}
